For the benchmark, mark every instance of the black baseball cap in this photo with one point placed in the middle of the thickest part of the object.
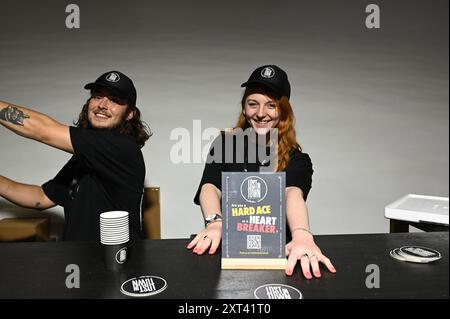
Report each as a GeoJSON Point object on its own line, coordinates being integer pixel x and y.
{"type": "Point", "coordinates": [118, 83]}
{"type": "Point", "coordinates": [271, 76]}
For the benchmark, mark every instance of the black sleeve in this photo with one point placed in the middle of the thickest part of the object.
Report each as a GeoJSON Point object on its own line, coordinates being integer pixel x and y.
{"type": "Point", "coordinates": [299, 172]}
{"type": "Point", "coordinates": [103, 151]}
{"type": "Point", "coordinates": [212, 173]}
{"type": "Point", "coordinates": [58, 189]}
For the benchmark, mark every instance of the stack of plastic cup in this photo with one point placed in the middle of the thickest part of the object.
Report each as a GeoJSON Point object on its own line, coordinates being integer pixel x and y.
{"type": "Point", "coordinates": [115, 235]}
{"type": "Point", "coordinates": [114, 228]}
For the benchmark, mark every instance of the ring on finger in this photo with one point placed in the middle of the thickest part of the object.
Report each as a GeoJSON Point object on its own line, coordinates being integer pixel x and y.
{"type": "Point", "coordinates": [304, 255]}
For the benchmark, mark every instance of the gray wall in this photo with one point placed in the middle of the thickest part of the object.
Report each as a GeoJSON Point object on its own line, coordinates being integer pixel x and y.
{"type": "Point", "coordinates": [372, 106]}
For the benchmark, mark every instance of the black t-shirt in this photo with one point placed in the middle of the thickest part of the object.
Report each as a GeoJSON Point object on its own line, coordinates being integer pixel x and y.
{"type": "Point", "coordinates": [299, 170]}
{"type": "Point", "coordinates": [106, 173]}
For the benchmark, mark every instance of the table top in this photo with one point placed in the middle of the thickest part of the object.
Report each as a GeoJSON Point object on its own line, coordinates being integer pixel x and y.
{"type": "Point", "coordinates": [38, 270]}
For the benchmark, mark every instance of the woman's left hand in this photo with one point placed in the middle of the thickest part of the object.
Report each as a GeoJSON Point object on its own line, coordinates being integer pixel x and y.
{"type": "Point", "coordinates": [303, 248]}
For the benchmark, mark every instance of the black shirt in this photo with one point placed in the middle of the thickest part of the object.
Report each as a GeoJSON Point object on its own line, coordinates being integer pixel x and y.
{"type": "Point", "coordinates": [299, 170]}
{"type": "Point", "coordinates": [106, 172]}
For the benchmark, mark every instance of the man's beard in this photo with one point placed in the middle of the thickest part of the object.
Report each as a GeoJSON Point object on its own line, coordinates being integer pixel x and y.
{"type": "Point", "coordinates": [117, 127]}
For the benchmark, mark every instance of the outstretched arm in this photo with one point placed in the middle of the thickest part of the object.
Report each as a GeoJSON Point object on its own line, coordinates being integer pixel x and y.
{"type": "Point", "coordinates": [28, 196]}
{"type": "Point", "coordinates": [35, 125]}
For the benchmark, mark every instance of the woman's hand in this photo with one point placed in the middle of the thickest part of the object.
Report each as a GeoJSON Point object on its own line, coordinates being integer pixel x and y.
{"type": "Point", "coordinates": [208, 238]}
{"type": "Point", "coordinates": [303, 248]}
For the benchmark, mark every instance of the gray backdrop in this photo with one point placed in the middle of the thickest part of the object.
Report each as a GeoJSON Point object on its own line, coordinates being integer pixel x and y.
{"type": "Point", "coordinates": [372, 105]}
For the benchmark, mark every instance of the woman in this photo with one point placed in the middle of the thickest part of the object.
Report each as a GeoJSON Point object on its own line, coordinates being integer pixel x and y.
{"type": "Point", "coordinates": [265, 106]}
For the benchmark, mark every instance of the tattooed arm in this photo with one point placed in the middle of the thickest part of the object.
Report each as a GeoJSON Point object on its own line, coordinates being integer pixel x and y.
{"type": "Point", "coordinates": [29, 196]}
{"type": "Point", "coordinates": [35, 125]}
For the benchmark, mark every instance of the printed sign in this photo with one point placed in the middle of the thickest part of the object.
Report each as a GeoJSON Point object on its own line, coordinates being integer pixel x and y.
{"type": "Point", "coordinates": [254, 222]}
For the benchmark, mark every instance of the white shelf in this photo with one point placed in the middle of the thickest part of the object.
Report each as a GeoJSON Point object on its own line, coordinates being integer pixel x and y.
{"type": "Point", "coordinates": [419, 208]}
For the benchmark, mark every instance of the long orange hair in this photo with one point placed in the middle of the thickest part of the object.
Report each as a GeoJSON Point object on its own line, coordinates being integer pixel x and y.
{"type": "Point", "coordinates": [287, 139]}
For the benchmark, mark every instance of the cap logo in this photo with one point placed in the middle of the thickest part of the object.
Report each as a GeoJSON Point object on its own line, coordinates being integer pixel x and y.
{"type": "Point", "coordinates": [268, 72]}
{"type": "Point", "coordinates": [113, 77]}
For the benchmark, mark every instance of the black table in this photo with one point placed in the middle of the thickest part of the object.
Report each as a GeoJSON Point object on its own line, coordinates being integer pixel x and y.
{"type": "Point", "coordinates": [38, 270]}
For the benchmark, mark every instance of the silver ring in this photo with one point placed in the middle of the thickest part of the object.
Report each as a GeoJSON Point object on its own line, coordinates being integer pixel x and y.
{"type": "Point", "coordinates": [304, 255]}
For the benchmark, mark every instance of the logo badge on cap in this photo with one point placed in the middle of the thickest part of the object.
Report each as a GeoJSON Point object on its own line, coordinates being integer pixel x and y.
{"type": "Point", "coordinates": [113, 77]}
{"type": "Point", "coordinates": [267, 72]}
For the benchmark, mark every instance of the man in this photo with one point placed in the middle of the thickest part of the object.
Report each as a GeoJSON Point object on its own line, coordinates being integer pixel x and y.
{"type": "Point", "coordinates": [106, 171]}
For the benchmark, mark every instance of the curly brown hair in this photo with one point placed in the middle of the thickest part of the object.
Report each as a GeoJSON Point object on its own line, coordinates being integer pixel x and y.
{"type": "Point", "coordinates": [134, 127]}
{"type": "Point", "coordinates": [287, 139]}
